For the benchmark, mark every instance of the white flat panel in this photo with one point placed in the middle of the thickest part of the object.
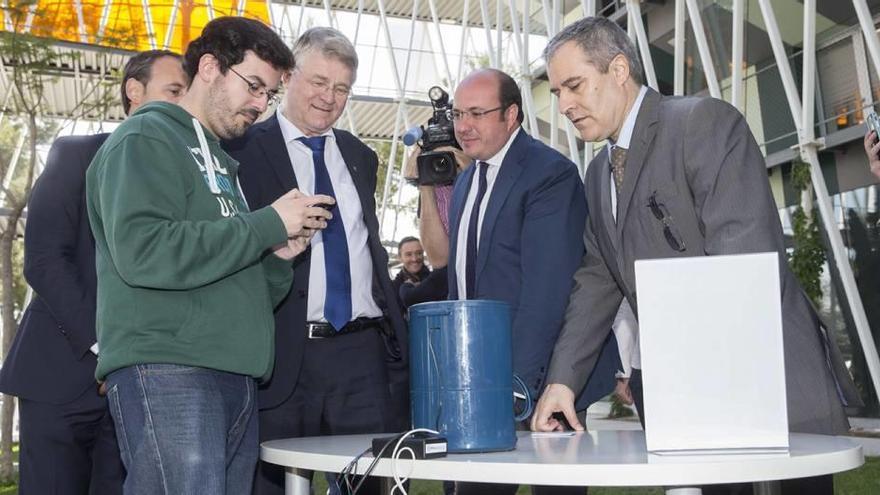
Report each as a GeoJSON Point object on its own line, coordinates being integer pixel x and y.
{"type": "Point", "coordinates": [712, 356]}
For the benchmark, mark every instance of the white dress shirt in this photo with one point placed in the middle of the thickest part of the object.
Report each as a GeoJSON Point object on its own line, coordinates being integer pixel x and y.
{"type": "Point", "coordinates": [360, 261]}
{"type": "Point", "coordinates": [625, 326]}
{"type": "Point", "coordinates": [461, 241]}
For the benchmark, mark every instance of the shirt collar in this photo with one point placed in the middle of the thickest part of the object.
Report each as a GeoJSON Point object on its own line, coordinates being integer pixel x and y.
{"type": "Point", "coordinates": [290, 131]}
{"type": "Point", "coordinates": [498, 159]}
{"type": "Point", "coordinates": [629, 125]}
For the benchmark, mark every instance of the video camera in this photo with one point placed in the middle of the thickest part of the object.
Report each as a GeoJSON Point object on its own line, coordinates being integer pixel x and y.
{"type": "Point", "coordinates": [435, 167]}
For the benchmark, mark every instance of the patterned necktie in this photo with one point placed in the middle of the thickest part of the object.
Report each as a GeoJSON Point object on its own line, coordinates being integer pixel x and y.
{"type": "Point", "coordinates": [337, 300]}
{"type": "Point", "coordinates": [618, 160]}
{"type": "Point", "coordinates": [473, 224]}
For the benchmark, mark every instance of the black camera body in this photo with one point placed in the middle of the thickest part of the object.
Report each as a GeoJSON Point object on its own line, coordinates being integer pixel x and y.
{"type": "Point", "coordinates": [437, 167]}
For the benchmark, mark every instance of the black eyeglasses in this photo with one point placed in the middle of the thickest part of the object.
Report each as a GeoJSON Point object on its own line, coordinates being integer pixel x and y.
{"type": "Point", "coordinates": [673, 238]}
{"type": "Point", "coordinates": [456, 114]}
{"type": "Point", "coordinates": [258, 90]}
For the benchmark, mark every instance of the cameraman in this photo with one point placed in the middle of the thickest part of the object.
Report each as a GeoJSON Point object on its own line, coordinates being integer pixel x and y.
{"type": "Point", "coordinates": [433, 229]}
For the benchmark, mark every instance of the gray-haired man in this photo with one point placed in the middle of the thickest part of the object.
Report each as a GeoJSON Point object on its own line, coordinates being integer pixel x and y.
{"type": "Point", "coordinates": [679, 177]}
{"type": "Point", "coordinates": [340, 353]}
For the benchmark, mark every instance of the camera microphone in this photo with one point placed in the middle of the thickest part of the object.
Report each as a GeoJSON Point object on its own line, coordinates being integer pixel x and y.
{"type": "Point", "coordinates": [413, 135]}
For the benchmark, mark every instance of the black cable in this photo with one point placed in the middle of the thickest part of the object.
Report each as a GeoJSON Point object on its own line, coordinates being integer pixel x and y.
{"type": "Point", "coordinates": [346, 475]}
{"type": "Point", "coordinates": [376, 457]}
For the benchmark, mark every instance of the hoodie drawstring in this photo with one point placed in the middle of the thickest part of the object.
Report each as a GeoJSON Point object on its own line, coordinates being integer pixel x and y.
{"type": "Point", "coordinates": [209, 158]}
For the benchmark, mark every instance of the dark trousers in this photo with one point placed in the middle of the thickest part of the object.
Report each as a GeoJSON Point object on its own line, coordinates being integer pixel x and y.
{"type": "Point", "coordinates": [69, 448]}
{"type": "Point", "coordinates": [815, 485]}
{"type": "Point", "coordinates": [342, 389]}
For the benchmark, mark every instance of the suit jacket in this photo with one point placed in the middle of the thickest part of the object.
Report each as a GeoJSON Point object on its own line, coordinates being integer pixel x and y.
{"type": "Point", "coordinates": [530, 246]}
{"type": "Point", "coordinates": [698, 158]}
{"type": "Point", "coordinates": [50, 360]}
{"type": "Point", "coordinates": [266, 173]}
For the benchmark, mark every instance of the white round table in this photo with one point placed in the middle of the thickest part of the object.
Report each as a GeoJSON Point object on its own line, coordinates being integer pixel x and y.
{"type": "Point", "coordinates": [597, 458]}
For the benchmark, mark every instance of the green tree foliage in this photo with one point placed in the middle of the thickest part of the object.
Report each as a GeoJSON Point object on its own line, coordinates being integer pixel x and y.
{"type": "Point", "coordinates": [808, 256]}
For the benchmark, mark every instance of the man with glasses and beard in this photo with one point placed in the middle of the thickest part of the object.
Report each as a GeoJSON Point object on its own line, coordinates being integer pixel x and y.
{"type": "Point", "coordinates": [68, 443]}
{"type": "Point", "coordinates": [188, 274]}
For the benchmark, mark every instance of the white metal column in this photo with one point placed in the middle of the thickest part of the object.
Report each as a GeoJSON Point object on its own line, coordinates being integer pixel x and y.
{"type": "Point", "coordinates": [148, 21]}
{"type": "Point", "coordinates": [589, 7]}
{"type": "Point", "coordinates": [703, 47]}
{"type": "Point", "coordinates": [736, 58]}
{"type": "Point", "coordinates": [435, 20]}
{"type": "Point", "coordinates": [484, 13]}
{"type": "Point", "coordinates": [678, 57]}
{"type": "Point", "coordinates": [400, 180]}
{"type": "Point", "coordinates": [400, 110]}
{"type": "Point", "coordinates": [526, 73]}
{"type": "Point", "coordinates": [634, 11]}
{"type": "Point", "coordinates": [169, 32]}
{"type": "Point", "coordinates": [80, 23]}
{"type": "Point", "coordinates": [464, 34]}
{"type": "Point", "coordinates": [870, 33]}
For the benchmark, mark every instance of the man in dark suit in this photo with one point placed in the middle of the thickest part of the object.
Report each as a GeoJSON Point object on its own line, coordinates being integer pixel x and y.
{"type": "Point", "coordinates": [68, 443]}
{"type": "Point", "coordinates": [679, 177]}
{"type": "Point", "coordinates": [516, 222]}
{"type": "Point", "coordinates": [340, 353]}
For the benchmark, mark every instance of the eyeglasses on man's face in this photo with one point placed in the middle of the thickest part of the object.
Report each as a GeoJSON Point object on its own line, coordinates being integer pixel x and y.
{"type": "Point", "coordinates": [673, 237]}
{"type": "Point", "coordinates": [321, 85]}
{"type": "Point", "coordinates": [456, 114]}
{"type": "Point", "coordinates": [258, 90]}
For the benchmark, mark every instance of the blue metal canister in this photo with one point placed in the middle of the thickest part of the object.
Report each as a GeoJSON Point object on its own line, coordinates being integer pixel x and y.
{"type": "Point", "coordinates": [461, 373]}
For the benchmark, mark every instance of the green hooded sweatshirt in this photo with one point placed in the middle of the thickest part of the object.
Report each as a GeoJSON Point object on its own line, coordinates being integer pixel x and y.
{"type": "Point", "coordinates": [184, 272]}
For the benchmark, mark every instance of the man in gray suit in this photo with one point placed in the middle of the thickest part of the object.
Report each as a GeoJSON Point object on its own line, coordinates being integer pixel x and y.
{"type": "Point", "coordinates": [681, 176]}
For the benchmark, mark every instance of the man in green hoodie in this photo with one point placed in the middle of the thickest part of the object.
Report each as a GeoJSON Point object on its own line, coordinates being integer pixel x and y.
{"type": "Point", "coordinates": [187, 275]}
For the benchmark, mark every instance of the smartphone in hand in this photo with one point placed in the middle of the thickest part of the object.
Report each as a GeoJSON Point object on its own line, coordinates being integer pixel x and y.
{"type": "Point", "coordinates": [874, 125]}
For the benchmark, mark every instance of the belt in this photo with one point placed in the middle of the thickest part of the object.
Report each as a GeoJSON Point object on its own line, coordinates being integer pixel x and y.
{"type": "Point", "coordinates": [324, 330]}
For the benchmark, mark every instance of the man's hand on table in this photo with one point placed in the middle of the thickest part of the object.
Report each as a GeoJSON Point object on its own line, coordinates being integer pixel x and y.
{"type": "Point", "coordinates": [557, 398]}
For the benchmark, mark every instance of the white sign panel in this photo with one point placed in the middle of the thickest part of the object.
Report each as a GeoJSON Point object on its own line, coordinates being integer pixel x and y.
{"type": "Point", "coordinates": [712, 356]}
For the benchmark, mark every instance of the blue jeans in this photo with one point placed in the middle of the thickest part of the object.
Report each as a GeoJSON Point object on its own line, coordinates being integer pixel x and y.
{"type": "Point", "coordinates": [184, 430]}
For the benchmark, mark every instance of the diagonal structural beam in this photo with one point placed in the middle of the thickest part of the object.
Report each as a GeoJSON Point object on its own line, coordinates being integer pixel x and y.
{"type": "Point", "coordinates": [869, 32]}
{"type": "Point", "coordinates": [678, 57]}
{"type": "Point", "coordinates": [484, 12]}
{"type": "Point", "coordinates": [148, 21]}
{"type": "Point", "coordinates": [464, 35]}
{"type": "Point", "coordinates": [435, 21]}
{"type": "Point", "coordinates": [696, 16]}
{"type": "Point", "coordinates": [634, 12]}
{"type": "Point", "coordinates": [169, 33]}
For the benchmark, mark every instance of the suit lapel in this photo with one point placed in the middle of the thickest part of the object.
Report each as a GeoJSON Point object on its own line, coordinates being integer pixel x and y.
{"type": "Point", "coordinates": [510, 170]}
{"type": "Point", "coordinates": [642, 138]}
{"type": "Point", "coordinates": [272, 143]}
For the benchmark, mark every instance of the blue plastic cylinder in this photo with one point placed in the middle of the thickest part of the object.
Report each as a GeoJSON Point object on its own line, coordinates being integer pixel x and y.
{"type": "Point", "coordinates": [461, 373]}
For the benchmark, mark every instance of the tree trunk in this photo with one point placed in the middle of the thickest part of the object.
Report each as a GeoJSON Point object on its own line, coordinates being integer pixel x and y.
{"type": "Point", "coordinates": [10, 326]}
{"type": "Point", "coordinates": [17, 203]}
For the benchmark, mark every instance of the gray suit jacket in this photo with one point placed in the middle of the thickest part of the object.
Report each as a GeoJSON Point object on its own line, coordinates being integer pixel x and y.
{"type": "Point", "coordinates": [697, 157]}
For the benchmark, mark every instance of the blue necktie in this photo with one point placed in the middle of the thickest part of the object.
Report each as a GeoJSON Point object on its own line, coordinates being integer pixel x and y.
{"type": "Point", "coordinates": [337, 300]}
{"type": "Point", "coordinates": [473, 224]}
